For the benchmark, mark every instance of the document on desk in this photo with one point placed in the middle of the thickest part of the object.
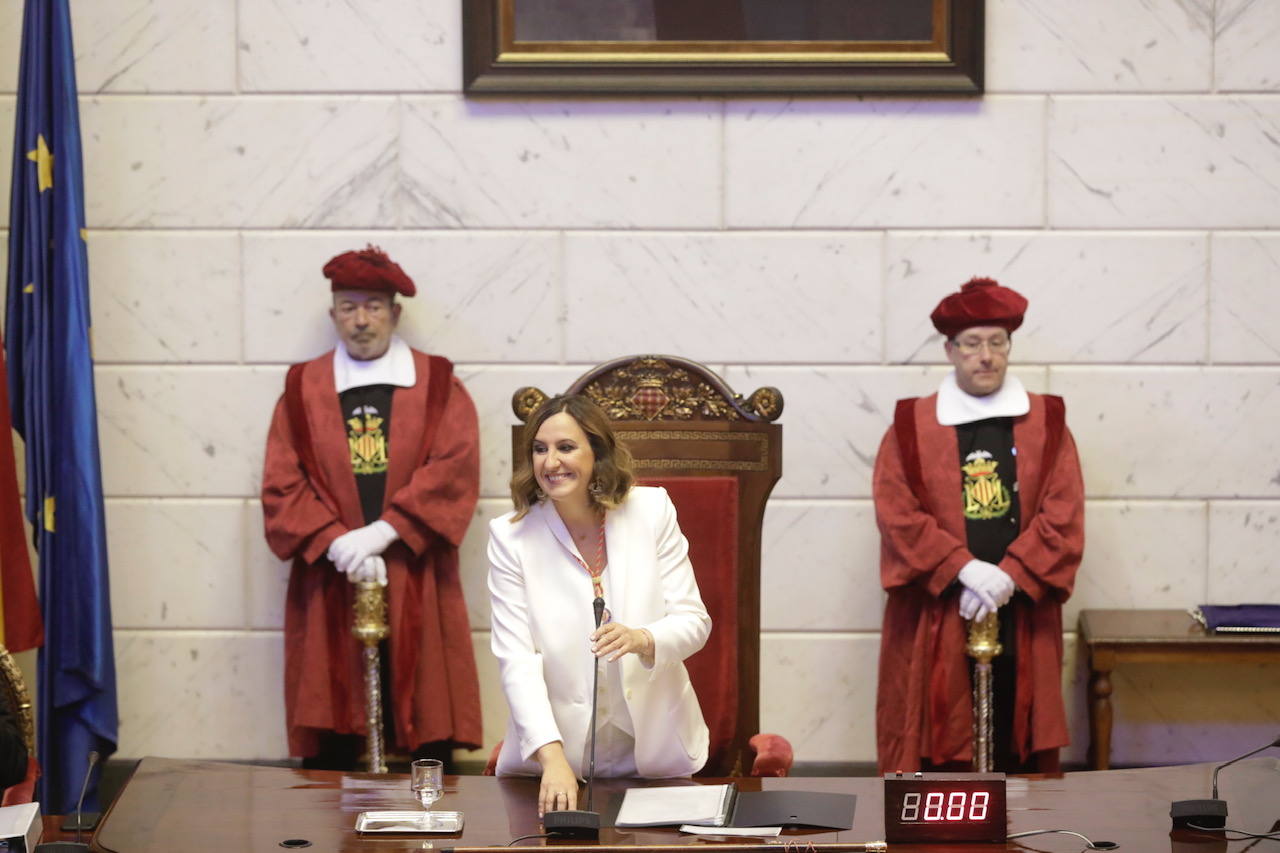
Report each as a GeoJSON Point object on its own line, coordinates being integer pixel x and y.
{"type": "Point", "coordinates": [700, 805]}
{"type": "Point", "coordinates": [723, 805]}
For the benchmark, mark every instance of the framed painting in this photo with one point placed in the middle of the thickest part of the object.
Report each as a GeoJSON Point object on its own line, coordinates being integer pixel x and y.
{"type": "Point", "coordinates": [723, 46]}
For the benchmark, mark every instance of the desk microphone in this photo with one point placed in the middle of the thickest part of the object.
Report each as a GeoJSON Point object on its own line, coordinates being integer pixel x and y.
{"type": "Point", "coordinates": [583, 823]}
{"type": "Point", "coordinates": [83, 821]}
{"type": "Point", "coordinates": [1209, 814]}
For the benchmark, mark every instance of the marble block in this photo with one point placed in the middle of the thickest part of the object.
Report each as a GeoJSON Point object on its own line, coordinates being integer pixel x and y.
{"type": "Point", "coordinates": [155, 45]}
{"type": "Point", "coordinates": [835, 418]}
{"type": "Point", "coordinates": [820, 566]}
{"type": "Point", "coordinates": [176, 563]}
{"type": "Point", "coordinates": [493, 702]}
{"type": "Point", "coordinates": [482, 296]}
{"type": "Point", "coordinates": [819, 692]}
{"type": "Point", "coordinates": [196, 694]}
{"type": "Point", "coordinates": [10, 46]}
{"type": "Point", "coordinates": [473, 560]}
{"type": "Point", "coordinates": [142, 284]}
{"type": "Point", "coordinates": [1244, 537]}
{"type": "Point", "coordinates": [185, 432]}
{"type": "Point", "coordinates": [809, 297]}
{"type": "Point", "coordinates": [1198, 713]}
{"type": "Point", "coordinates": [391, 45]}
{"type": "Point", "coordinates": [1173, 162]}
{"type": "Point", "coordinates": [184, 162]}
{"type": "Point", "coordinates": [267, 576]}
{"type": "Point", "coordinates": [496, 163]}
{"type": "Point", "coordinates": [1099, 46]}
{"type": "Point", "coordinates": [1154, 288]}
{"type": "Point", "coordinates": [1140, 555]}
{"type": "Point", "coordinates": [1075, 680]}
{"type": "Point", "coordinates": [1245, 298]}
{"type": "Point", "coordinates": [1246, 37]}
{"type": "Point", "coordinates": [8, 108]}
{"type": "Point", "coordinates": [139, 45]}
{"type": "Point", "coordinates": [808, 163]}
{"type": "Point", "coordinates": [1173, 433]}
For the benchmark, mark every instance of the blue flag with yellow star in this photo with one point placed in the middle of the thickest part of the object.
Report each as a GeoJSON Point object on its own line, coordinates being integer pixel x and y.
{"type": "Point", "coordinates": [50, 373]}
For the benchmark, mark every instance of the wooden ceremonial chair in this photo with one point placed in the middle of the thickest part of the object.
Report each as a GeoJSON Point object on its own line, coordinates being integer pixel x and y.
{"type": "Point", "coordinates": [13, 693]}
{"type": "Point", "coordinates": [718, 456]}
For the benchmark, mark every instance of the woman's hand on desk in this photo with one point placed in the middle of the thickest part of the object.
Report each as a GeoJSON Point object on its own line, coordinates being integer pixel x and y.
{"type": "Point", "coordinates": [615, 640]}
{"type": "Point", "coordinates": [559, 788]}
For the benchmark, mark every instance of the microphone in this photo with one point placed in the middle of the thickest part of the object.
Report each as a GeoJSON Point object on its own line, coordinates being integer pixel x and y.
{"type": "Point", "coordinates": [583, 823]}
{"type": "Point", "coordinates": [1212, 813]}
{"type": "Point", "coordinates": [82, 821]}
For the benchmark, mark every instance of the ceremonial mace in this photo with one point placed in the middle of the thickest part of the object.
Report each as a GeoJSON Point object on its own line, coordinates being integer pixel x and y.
{"type": "Point", "coordinates": [370, 628]}
{"type": "Point", "coordinates": [984, 644]}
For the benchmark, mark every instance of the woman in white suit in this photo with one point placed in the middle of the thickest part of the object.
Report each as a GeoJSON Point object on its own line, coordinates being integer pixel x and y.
{"type": "Point", "coordinates": [581, 531]}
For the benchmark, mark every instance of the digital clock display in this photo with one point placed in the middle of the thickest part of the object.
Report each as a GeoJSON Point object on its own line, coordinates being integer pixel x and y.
{"type": "Point", "coordinates": [944, 807]}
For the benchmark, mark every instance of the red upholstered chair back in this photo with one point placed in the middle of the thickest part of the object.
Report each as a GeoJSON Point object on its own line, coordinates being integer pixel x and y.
{"type": "Point", "coordinates": [718, 455]}
{"type": "Point", "coordinates": [707, 508]}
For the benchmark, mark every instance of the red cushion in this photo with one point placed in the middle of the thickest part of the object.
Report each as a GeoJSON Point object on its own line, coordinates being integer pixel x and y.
{"type": "Point", "coordinates": [24, 791]}
{"type": "Point", "coordinates": [707, 509]}
{"type": "Point", "coordinates": [773, 755]}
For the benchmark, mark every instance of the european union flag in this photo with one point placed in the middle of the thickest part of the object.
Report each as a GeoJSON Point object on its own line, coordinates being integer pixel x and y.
{"type": "Point", "coordinates": [51, 389]}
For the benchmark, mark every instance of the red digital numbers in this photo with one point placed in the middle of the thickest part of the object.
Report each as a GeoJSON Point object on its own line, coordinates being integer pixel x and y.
{"type": "Point", "coordinates": [940, 806]}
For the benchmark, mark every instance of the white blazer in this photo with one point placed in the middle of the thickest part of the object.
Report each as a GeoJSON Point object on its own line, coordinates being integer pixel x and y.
{"type": "Point", "coordinates": [542, 617]}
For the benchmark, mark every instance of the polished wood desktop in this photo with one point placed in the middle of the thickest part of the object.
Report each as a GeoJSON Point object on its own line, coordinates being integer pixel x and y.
{"type": "Point", "coordinates": [171, 805]}
{"type": "Point", "coordinates": [1113, 637]}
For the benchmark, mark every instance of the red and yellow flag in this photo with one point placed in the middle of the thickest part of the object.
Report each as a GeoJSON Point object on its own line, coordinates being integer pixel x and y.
{"type": "Point", "coordinates": [21, 627]}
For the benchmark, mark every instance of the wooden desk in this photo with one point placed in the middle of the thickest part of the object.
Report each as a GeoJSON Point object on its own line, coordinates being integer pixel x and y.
{"type": "Point", "coordinates": [1152, 636]}
{"type": "Point", "coordinates": [197, 806]}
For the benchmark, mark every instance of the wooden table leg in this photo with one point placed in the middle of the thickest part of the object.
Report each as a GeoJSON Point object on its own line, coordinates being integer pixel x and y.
{"type": "Point", "coordinates": [1099, 717]}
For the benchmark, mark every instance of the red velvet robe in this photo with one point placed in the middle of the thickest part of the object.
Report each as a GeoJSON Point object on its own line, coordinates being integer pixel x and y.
{"type": "Point", "coordinates": [435, 692]}
{"type": "Point", "coordinates": [924, 706]}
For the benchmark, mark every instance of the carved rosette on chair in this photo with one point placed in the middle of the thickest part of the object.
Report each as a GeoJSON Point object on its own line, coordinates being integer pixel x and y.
{"type": "Point", "coordinates": [718, 454]}
{"type": "Point", "coordinates": [16, 698]}
{"type": "Point", "coordinates": [370, 628]}
{"type": "Point", "coordinates": [983, 646]}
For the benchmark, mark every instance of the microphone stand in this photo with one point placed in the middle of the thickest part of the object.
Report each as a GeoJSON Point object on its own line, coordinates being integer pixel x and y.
{"type": "Point", "coordinates": [83, 821]}
{"type": "Point", "coordinates": [583, 823]}
{"type": "Point", "coordinates": [1212, 813]}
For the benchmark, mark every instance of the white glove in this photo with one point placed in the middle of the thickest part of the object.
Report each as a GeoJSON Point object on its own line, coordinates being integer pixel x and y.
{"type": "Point", "coordinates": [355, 546]}
{"type": "Point", "coordinates": [989, 582]}
{"type": "Point", "coordinates": [972, 606]}
{"type": "Point", "coordinates": [372, 569]}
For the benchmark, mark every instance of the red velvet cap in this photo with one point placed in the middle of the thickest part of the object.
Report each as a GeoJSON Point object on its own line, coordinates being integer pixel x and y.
{"type": "Point", "coordinates": [980, 302]}
{"type": "Point", "coordinates": [368, 269]}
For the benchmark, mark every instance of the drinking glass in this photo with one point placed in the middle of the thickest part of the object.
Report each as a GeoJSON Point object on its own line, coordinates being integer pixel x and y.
{"type": "Point", "coordinates": [427, 780]}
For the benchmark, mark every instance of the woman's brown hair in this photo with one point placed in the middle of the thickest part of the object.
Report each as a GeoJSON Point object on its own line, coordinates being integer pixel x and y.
{"type": "Point", "coordinates": [612, 475]}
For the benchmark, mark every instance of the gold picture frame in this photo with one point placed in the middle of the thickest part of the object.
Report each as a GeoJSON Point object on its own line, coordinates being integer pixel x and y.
{"type": "Point", "coordinates": [723, 47]}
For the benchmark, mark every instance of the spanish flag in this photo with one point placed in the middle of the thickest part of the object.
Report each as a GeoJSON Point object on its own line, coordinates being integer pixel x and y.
{"type": "Point", "coordinates": [20, 625]}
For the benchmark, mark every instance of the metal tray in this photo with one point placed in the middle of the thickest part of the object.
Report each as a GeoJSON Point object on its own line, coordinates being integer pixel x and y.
{"type": "Point", "coordinates": [412, 823]}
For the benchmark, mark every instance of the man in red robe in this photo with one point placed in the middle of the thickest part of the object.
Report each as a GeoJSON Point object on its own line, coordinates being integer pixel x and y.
{"type": "Point", "coordinates": [372, 473]}
{"type": "Point", "coordinates": [980, 505]}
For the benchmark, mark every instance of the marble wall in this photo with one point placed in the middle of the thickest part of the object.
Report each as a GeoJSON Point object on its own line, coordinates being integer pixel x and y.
{"type": "Point", "coordinates": [1123, 170]}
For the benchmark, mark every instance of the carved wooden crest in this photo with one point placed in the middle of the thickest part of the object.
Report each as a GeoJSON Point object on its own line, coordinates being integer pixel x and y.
{"type": "Point", "coordinates": [660, 388]}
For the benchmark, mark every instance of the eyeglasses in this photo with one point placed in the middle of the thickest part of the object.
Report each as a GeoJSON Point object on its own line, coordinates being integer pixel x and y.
{"type": "Point", "coordinates": [972, 346]}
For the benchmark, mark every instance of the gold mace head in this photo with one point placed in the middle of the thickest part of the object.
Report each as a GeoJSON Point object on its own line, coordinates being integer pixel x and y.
{"type": "Point", "coordinates": [984, 639]}
{"type": "Point", "coordinates": [370, 623]}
